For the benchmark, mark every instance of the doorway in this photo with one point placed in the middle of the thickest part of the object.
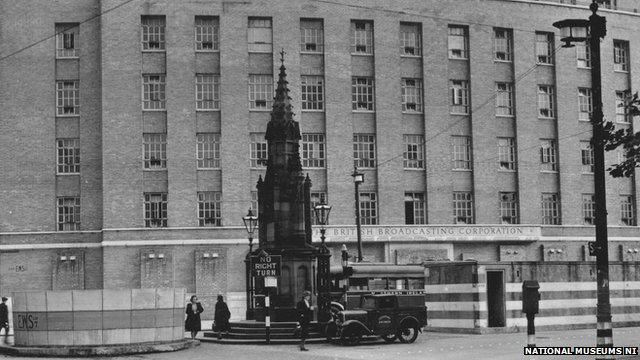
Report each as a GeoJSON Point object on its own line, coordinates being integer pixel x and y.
{"type": "Point", "coordinates": [495, 298]}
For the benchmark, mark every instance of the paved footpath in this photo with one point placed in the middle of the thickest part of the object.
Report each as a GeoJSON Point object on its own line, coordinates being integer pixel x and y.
{"type": "Point", "coordinates": [428, 346]}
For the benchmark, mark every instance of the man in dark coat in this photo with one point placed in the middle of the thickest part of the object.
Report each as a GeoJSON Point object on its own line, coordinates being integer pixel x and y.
{"type": "Point", "coordinates": [4, 319]}
{"type": "Point", "coordinates": [221, 317]}
{"type": "Point", "coordinates": [305, 315]}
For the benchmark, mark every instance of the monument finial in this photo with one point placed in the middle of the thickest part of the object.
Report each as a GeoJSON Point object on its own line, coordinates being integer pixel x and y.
{"type": "Point", "coordinates": [282, 52]}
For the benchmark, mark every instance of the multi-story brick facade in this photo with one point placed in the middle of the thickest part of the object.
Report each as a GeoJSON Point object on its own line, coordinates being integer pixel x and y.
{"type": "Point", "coordinates": [126, 125]}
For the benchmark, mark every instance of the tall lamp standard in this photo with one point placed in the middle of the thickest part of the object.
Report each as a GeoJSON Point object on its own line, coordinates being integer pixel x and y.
{"type": "Point", "coordinates": [324, 265]}
{"type": "Point", "coordinates": [358, 178]}
{"type": "Point", "coordinates": [591, 31]}
{"type": "Point", "coordinates": [250, 222]}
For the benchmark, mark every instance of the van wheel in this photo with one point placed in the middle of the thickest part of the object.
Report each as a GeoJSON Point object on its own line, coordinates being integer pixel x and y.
{"type": "Point", "coordinates": [389, 338]}
{"type": "Point", "coordinates": [408, 334]}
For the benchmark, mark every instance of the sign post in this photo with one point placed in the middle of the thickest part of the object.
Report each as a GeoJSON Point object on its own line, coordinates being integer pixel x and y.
{"type": "Point", "coordinates": [267, 267]}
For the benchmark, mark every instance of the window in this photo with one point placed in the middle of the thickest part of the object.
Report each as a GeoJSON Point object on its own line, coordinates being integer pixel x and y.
{"type": "Point", "coordinates": [362, 93]}
{"type": "Point", "coordinates": [589, 209]}
{"type": "Point", "coordinates": [548, 155]}
{"type": "Point", "coordinates": [153, 92]}
{"type": "Point", "coordinates": [153, 33]}
{"type": "Point", "coordinates": [207, 32]}
{"type": "Point", "coordinates": [462, 207]}
{"type": "Point", "coordinates": [68, 213]}
{"type": "Point", "coordinates": [607, 4]}
{"type": "Point", "coordinates": [67, 41]}
{"type": "Point", "coordinates": [583, 55]}
{"type": "Point", "coordinates": [459, 90]}
{"type": "Point", "coordinates": [461, 152]}
{"type": "Point", "coordinates": [622, 115]}
{"type": "Point", "coordinates": [586, 153]}
{"type": "Point", "coordinates": [585, 104]}
{"type": "Point", "coordinates": [312, 92]}
{"type": "Point", "coordinates": [209, 208]}
{"type": "Point", "coordinates": [207, 92]}
{"type": "Point", "coordinates": [68, 156]}
{"type": "Point", "coordinates": [504, 99]}
{"type": "Point", "coordinates": [311, 36]}
{"type": "Point", "coordinates": [362, 37]}
{"type": "Point", "coordinates": [458, 42]}
{"type": "Point", "coordinates": [259, 36]}
{"type": "Point", "coordinates": [313, 155]}
{"type": "Point", "coordinates": [208, 150]}
{"type": "Point", "coordinates": [368, 208]}
{"type": "Point", "coordinates": [258, 150]}
{"type": "Point", "coordinates": [509, 208]}
{"type": "Point", "coordinates": [68, 97]}
{"type": "Point", "coordinates": [544, 48]}
{"type": "Point", "coordinates": [254, 203]}
{"type": "Point", "coordinates": [414, 208]}
{"type": "Point", "coordinates": [260, 92]}
{"type": "Point", "coordinates": [627, 210]}
{"type": "Point", "coordinates": [412, 95]}
{"type": "Point", "coordinates": [155, 210]}
{"type": "Point", "coordinates": [364, 150]}
{"type": "Point", "coordinates": [410, 39]}
{"type": "Point", "coordinates": [155, 151]}
{"type": "Point", "coordinates": [507, 153]}
{"type": "Point", "coordinates": [546, 102]}
{"type": "Point", "coordinates": [317, 198]}
{"type": "Point", "coordinates": [550, 209]}
{"type": "Point", "coordinates": [502, 44]}
{"type": "Point", "coordinates": [414, 152]}
{"type": "Point", "coordinates": [620, 55]}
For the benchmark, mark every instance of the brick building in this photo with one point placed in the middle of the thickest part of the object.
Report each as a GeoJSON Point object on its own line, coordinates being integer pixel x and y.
{"type": "Point", "coordinates": [132, 133]}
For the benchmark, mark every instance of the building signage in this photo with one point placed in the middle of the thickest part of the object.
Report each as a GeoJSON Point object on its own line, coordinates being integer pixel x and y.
{"type": "Point", "coordinates": [266, 265]}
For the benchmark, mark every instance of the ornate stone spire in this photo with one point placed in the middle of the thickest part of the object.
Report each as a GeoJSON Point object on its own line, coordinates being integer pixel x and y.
{"type": "Point", "coordinates": [282, 102]}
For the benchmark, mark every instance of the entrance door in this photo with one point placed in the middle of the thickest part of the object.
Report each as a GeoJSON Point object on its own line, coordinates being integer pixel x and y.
{"type": "Point", "coordinates": [495, 298]}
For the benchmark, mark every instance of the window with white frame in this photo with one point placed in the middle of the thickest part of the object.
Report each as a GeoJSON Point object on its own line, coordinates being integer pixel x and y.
{"type": "Point", "coordinates": [207, 33]}
{"type": "Point", "coordinates": [504, 99]}
{"type": "Point", "coordinates": [620, 55]}
{"type": "Point", "coordinates": [209, 208]}
{"type": "Point", "coordinates": [551, 209]}
{"type": "Point", "coordinates": [507, 153]}
{"type": "Point", "coordinates": [208, 150]}
{"type": "Point", "coordinates": [259, 35]}
{"type": "Point", "coordinates": [311, 35]}
{"type": "Point", "coordinates": [622, 114]}
{"type": "Point", "coordinates": [312, 96]}
{"type": "Point", "coordinates": [313, 154]}
{"type": "Point", "coordinates": [368, 208]}
{"type": "Point", "coordinates": [458, 42]}
{"type": "Point", "coordinates": [410, 39]}
{"type": "Point", "coordinates": [361, 37]}
{"type": "Point", "coordinates": [509, 208]}
{"type": "Point", "coordinates": [459, 95]}
{"type": "Point", "coordinates": [68, 213]}
{"type": "Point", "coordinates": [364, 150]}
{"type": "Point", "coordinates": [548, 155]}
{"type": "Point", "coordinates": [502, 44]}
{"type": "Point", "coordinates": [414, 208]}
{"type": "Point", "coordinates": [544, 48]}
{"type": "Point", "coordinates": [207, 92]}
{"type": "Point", "coordinates": [155, 151]}
{"type": "Point", "coordinates": [461, 150]}
{"type": "Point", "coordinates": [589, 209]}
{"type": "Point", "coordinates": [317, 198]}
{"type": "Point", "coordinates": [67, 41]}
{"type": "Point", "coordinates": [586, 154]}
{"type": "Point", "coordinates": [153, 92]}
{"type": "Point", "coordinates": [585, 104]}
{"type": "Point", "coordinates": [68, 97]}
{"type": "Point", "coordinates": [254, 203]}
{"type": "Point", "coordinates": [362, 94]}
{"type": "Point", "coordinates": [260, 92]}
{"type": "Point", "coordinates": [153, 37]}
{"type": "Point", "coordinates": [258, 153]}
{"type": "Point", "coordinates": [462, 207]}
{"type": "Point", "coordinates": [155, 210]}
{"type": "Point", "coordinates": [412, 95]}
{"type": "Point", "coordinates": [68, 156]}
{"type": "Point", "coordinates": [413, 151]}
{"type": "Point", "coordinates": [546, 102]}
{"type": "Point", "coordinates": [583, 55]}
{"type": "Point", "coordinates": [628, 210]}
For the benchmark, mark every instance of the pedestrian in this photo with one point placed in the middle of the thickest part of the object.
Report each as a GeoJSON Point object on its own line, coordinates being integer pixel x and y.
{"type": "Point", "coordinates": [305, 314]}
{"type": "Point", "coordinates": [4, 319]}
{"type": "Point", "coordinates": [193, 324]}
{"type": "Point", "coordinates": [221, 317]}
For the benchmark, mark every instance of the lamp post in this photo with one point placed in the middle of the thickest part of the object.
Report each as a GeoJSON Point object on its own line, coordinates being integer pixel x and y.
{"type": "Point", "coordinates": [358, 178]}
{"type": "Point", "coordinates": [324, 265]}
{"type": "Point", "coordinates": [322, 216]}
{"type": "Point", "coordinates": [250, 222]}
{"type": "Point", "coordinates": [592, 30]}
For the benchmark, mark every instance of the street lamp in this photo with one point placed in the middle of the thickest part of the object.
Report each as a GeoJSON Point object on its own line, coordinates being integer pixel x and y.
{"type": "Point", "coordinates": [592, 30]}
{"type": "Point", "coordinates": [322, 216]}
{"type": "Point", "coordinates": [358, 178]}
{"type": "Point", "coordinates": [250, 222]}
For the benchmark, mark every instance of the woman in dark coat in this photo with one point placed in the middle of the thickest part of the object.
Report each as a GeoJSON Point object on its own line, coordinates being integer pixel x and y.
{"type": "Point", "coordinates": [221, 317]}
{"type": "Point", "coordinates": [193, 311]}
{"type": "Point", "coordinates": [305, 315]}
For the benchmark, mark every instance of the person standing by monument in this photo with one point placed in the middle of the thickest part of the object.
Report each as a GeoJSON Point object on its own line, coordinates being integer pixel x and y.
{"type": "Point", "coordinates": [193, 323]}
{"type": "Point", "coordinates": [221, 317]}
{"type": "Point", "coordinates": [4, 319]}
{"type": "Point", "coordinates": [305, 315]}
